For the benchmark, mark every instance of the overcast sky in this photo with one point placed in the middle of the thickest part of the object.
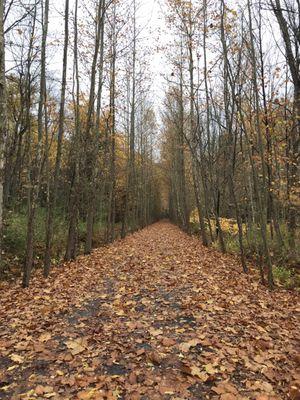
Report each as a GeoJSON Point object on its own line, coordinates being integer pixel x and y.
{"type": "Point", "coordinates": [154, 34]}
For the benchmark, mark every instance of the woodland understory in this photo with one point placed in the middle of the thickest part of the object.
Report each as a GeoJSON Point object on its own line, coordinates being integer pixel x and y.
{"type": "Point", "coordinates": [92, 149]}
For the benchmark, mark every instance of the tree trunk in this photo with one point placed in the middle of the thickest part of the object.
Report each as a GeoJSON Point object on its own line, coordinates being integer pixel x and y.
{"type": "Point", "coordinates": [37, 162]}
{"type": "Point", "coordinates": [54, 185]}
{"type": "Point", "coordinates": [2, 118]}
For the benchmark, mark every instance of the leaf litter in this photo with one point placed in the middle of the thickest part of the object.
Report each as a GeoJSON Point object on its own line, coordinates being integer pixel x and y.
{"type": "Point", "coordinates": [154, 316]}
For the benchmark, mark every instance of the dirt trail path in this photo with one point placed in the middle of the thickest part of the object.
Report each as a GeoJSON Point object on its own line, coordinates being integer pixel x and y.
{"type": "Point", "coordinates": [155, 316]}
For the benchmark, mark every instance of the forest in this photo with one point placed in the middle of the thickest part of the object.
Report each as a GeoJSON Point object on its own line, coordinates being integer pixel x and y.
{"type": "Point", "coordinates": [87, 156]}
{"type": "Point", "coordinates": [149, 172]}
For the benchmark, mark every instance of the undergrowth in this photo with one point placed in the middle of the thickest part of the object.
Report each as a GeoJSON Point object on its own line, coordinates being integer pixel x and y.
{"type": "Point", "coordinates": [286, 263]}
{"type": "Point", "coordinates": [14, 240]}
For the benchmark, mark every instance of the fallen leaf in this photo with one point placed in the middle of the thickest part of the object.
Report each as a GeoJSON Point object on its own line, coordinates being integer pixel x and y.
{"type": "Point", "coordinates": [155, 357]}
{"type": "Point", "coordinates": [185, 347]}
{"type": "Point", "coordinates": [45, 337]}
{"type": "Point", "coordinates": [295, 393]}
{"type": "Point", "coordinates": [210, 369]}
{"type": "Point", "coordinates": [76, 346]}
{"type": "Point", "coordinates": [228, 396]}
{"type": "Point", "coordinates": [195, 371]}
{"type": "Point", "coordinates": [168, 342]}
{"type": "Point", "coordinates": [17, 358]}
{"type": "Point", "coordinates": [155, 332]}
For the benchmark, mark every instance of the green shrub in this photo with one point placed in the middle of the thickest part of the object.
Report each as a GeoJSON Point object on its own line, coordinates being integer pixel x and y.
{"type": "Point", "coordinates": [286, 277]}
{"type": "Point", "coordinates": [14, 233]}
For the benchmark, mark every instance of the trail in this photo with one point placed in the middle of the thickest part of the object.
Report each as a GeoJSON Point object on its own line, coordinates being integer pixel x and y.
{"type": "Point", "coordinates": [153, 316]}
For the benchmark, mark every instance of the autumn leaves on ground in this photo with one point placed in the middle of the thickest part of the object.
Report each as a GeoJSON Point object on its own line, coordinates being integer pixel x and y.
{"type": "Point", "coordinates": [153, 316]}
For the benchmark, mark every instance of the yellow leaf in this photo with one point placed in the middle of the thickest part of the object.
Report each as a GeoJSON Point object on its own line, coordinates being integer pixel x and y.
{"type": "Point", "coordinates": [17, 358]}
{"type": "Point", "coordinates": [45, 337]}
{"type": "Point", "coordinates": [185, 347]}
{"type": "Point", "coordinates": [5, 388]}
{"type": "Point", "coordinates": [76, 346]}
{"type": "Point", "coordinates": [195, 371]}
{"type": "Point", "coordinates": [59, 372]}
{"type": "Point", "coordinates": [155, 332]}
{"type": "Point", "coordinates": [86, 394]}
{"type": "Point", "coordinates": [49, 395]}
{"type": "Point", "coordinates": [210, 369]}
{"type": "Point", "coordinates": [12, 367]}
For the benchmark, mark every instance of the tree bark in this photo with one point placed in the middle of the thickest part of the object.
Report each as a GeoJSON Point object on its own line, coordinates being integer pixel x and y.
{"type": "Point", "coordinates": [3, 118]}
{"type": "Point", "coordinates": [54, 185]}
{"type": "Point", "coordinates": [37, 162]}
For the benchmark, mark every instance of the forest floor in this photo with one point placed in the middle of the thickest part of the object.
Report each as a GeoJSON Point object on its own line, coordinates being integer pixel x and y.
{"type": "Point", "coordinates": [153, 316]}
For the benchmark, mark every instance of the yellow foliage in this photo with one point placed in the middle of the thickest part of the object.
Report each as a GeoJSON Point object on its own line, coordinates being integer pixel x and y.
{"type": "Point", "coordinates": [228, 225]}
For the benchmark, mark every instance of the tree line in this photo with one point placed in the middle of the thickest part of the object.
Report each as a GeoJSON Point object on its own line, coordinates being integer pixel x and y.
{"type": "Point", "coordinates": [232, 128]}
{"type": "Point", "coordinates": [80, 159]}
{"type": "Point", "coordinates": [77, 142]}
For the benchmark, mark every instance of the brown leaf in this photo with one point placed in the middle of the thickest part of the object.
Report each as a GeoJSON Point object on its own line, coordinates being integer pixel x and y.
{"type": "Point", "coordinates": [165, 389]}
{"type": "Point", "coordinates": [154, 357]}
{"type": "Point", "coordinates": [194, 371]}
{"type": "Point", "coordinates": [88, 394]}
{"type": "Point", "coordinates": [228, 396]}
{"type": "Point", "coordinates": [225, 387]}
{"type": "Point", "coordinates": [185, 347]}
{"type": "Point", "coordinates": [40, 389]}
{"type": "Point", "coordinates": [77, 346]}
{"type": "Point", "coordinates": [140, 352]}
{"type": "Point", "coordinates": [45, 337]}
{"type": "Point", "coordinates": [155, 332]}
{"type": "Point", "coordinates": [295, 393]}
{"type": "Point", "coordinates": [168, 342]}
{"type": "Point", "coordinates": [210, 369]}
{"type": "Point", "coordinates": [132, 378]}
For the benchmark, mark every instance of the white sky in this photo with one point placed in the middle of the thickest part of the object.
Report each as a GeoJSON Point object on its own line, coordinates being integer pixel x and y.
{"type": "Point", "coordinates": [154, 34]}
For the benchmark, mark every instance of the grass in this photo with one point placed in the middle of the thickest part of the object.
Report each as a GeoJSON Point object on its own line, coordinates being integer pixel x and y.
{"type": "Point", "coordinates": [14, 239]}
{"type": "Point", "coordinates": [15, 229]}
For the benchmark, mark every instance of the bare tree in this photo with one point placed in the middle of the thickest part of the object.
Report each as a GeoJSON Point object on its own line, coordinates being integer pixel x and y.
{"type": "Point", "coordinates": [35, 174]}
{"type": "Point", "coordinates": [2, 115]}
{"type": "Point", "coordinates": [54, 183]}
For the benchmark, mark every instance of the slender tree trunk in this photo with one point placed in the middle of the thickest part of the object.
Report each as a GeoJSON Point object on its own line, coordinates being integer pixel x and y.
{"type": "Point", "coordinates": [263, 197]}
{"type": "Point", "coordinates": [112, 128]}
{"type": "Point", "coordinates": [292, 58]}
{"type": "Point", "coordinates": [37, 162]}
{"type": "Point", "coordinates": [54, 185]}
{"type": "Point", "coordinates": [273, 212]}
{"type": "Point", "coordinates": [90, 161]}
{"type": "Point", "coordinates": [2, 119]}
{"type": "Point", "coordinates": [181, 155]}
{"type": "Point", "coordinates": [71, 246]}
{"type": "Point", "coordinates": [229, 98]}
{"type": "Point", "coordinates": [130, 199]}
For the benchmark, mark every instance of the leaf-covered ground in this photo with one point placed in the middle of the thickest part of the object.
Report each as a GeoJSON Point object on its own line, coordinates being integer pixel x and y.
{"type": "Point", "coordinates": [154, 316]}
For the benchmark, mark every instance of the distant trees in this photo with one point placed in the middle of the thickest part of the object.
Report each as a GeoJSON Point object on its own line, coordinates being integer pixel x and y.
{"type": "Point", "coordinates": [240, 137]}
